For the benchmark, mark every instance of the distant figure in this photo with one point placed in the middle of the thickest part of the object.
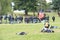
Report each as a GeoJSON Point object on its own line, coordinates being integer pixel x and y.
{"type": "Point", "coordinates": [31, 19]}
{"type": "Point", "coordinates": [26, 19]}
{"type": "Point", "coordinates": [53, 18]}
{"type": "Point", "coordinates": [59, 14]}
{"type": "Point", "coordinates": [20, 19]}
{"type": "Point", "coordinates": [48, 18]}
{"type": "Point", "coordinates": [1, 19]}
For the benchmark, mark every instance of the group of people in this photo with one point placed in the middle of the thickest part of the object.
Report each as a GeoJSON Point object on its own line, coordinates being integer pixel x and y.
{"type": "Point", "coordinates": [11, 19]}
{"type": "Point", "coordinates": [47, 28]}
{"type": "Point", "coordinates": [20, 19]}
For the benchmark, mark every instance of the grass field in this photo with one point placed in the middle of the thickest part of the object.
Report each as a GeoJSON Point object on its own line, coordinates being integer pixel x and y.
{"type": "Point", "coordinates": [8, 31]}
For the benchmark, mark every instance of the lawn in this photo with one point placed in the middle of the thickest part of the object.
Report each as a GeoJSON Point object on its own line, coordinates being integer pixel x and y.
{"type": "Point", "coordinates": [8, 31]}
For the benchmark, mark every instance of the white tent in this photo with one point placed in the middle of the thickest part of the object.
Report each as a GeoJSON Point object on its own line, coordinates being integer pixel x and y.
{"type": "Point", "coordinates": [19, 12]}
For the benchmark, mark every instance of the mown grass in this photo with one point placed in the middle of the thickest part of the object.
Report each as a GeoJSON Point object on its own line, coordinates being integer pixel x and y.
{"type": "Point", "coordinates": [8, 31]}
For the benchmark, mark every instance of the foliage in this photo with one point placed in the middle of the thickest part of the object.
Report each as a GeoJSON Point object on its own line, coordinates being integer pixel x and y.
{"type": "Point", "coordinates": [56, 4]}
{"type": "Point", "coordinates": [5, 6]}
{"type": "Point", "coordinates": [30, 5]}
{"type": "Point", "coordinates": [43, 4]}
{"type": "Point", "coordinates": [25, 4]}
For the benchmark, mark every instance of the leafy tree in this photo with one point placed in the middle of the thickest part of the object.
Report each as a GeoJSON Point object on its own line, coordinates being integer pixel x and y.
{"type": "Point", "coordinates": [56, 4]}
{"type": "Point", "coordinates": [29, 5]}
{"type": "Point", "coordinates": [43, 4]}
{"type": "Point", "coordinates": [5, 6]}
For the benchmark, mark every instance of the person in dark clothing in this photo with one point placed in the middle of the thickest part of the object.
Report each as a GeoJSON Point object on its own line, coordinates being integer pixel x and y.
{"type": "Point", "coordinates": [26, 20]}
{"type": "Point", "coordinates": [20, 19]}
{"type": "Point", "coordinates": [11, 19]}
{"type": "Point", "coordinates": [35, 20]}
{"type": "Point", "coordinates": [48, 18]}
{"type": "Point", "coordinates": [1, 19]}
{"type": "Point", "coordinates": [53, 18]}
{"type": "Point", "coordinates": [31, 19]}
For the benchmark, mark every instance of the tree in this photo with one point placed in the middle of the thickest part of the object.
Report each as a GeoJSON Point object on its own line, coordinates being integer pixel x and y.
{"type": "Point", "coordinates": [43, 4]}
{"type": "Point", "coordinates": [29, 5]}
{"type": "Point", "coordinates": [5, 6]}
{"type": "Point", "coordinates": [56, 4]}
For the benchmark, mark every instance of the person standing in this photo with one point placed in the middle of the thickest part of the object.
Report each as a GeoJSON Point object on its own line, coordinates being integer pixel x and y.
{"type": "Point", "coordinates": [53, 18]}
{"type": "Point", "coordinates": [1, 19]}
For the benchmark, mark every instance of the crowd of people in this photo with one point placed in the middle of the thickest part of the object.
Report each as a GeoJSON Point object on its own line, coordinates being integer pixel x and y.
{"type": "Point", "coordinates": [11, 19]}
{"type": "Point", "coordinates": [19, 19]}
{"type": "Point", "coordinates": [28, 19]}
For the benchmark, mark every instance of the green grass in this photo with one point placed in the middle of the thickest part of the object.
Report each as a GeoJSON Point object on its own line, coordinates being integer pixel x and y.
{"type": "Point", "coordinates": [8, 31]}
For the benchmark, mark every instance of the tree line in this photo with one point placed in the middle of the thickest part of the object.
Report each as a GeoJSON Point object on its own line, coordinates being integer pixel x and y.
{"type": "Point", "coordinates": [29, 5]}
